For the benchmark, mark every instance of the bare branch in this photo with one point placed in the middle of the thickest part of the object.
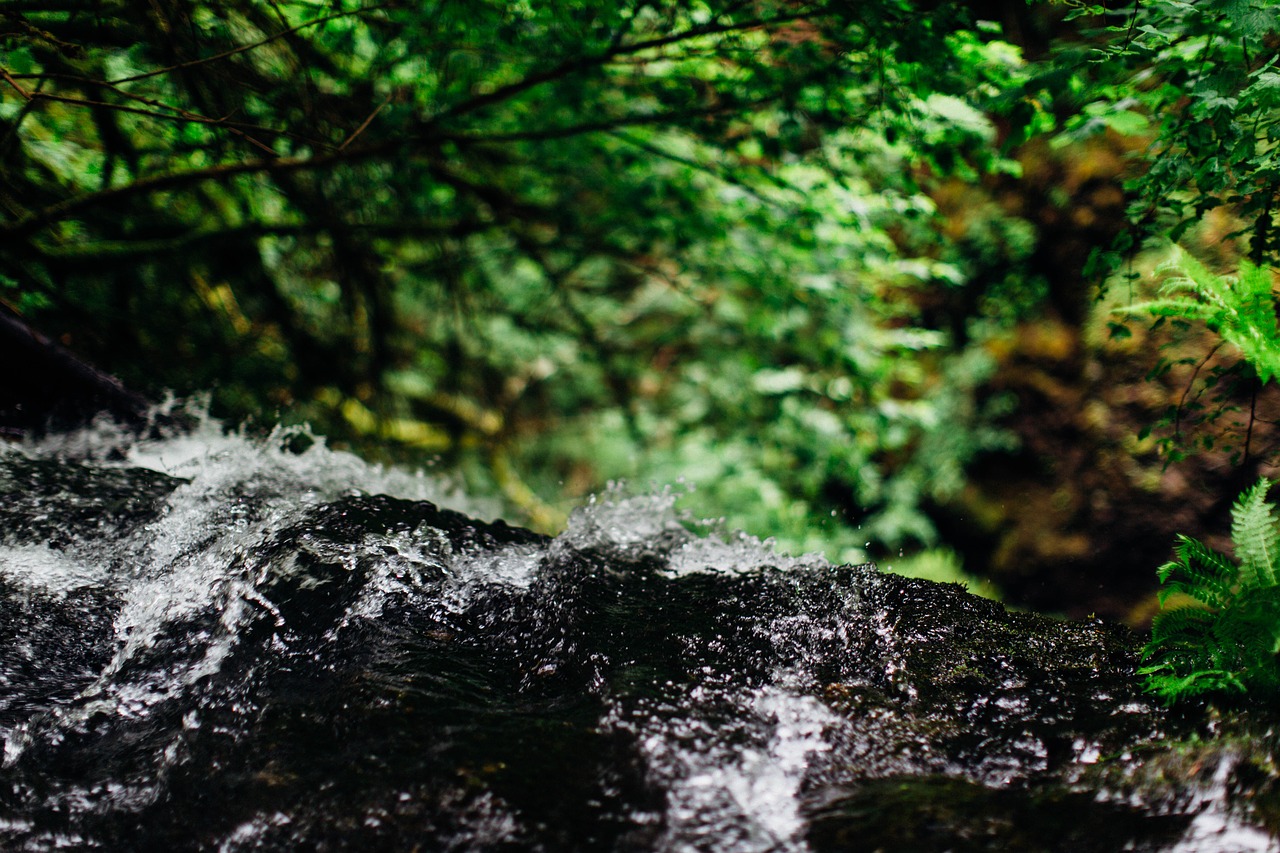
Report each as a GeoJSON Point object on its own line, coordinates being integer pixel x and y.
{"type": "Point", "coordinates": [363, 125]}
{"type": "Point", "coordinates": [603, 126]}
{"type": "Point", "coordinates": [172, 113]}
{"type": "Point", "coordinates": [237, 128]}
{"type": "Point", "coordinates": [127, 251]}
{"type": "Point", "coordinates": [26, 96]}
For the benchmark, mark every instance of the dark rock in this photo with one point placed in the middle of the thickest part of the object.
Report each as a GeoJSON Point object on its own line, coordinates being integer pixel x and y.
{"type": "Point", "coordinates": [256, 662]}
{"type": "Point", "coordinates": [46, 386]}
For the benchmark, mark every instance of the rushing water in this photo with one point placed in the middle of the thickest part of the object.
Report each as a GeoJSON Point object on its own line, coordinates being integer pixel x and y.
{"type": "Point", "coordinates": [212, 642]}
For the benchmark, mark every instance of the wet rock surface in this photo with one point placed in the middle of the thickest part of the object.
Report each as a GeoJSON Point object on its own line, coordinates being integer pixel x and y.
{"type": "Point", "coordinates": [263, 653]}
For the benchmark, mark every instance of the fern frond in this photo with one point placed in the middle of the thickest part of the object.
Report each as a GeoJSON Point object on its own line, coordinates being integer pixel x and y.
{"type": "Point", "coordinates": [1171, 687]}
{"type": "Point", "coordinates": [1229, 641]}
{"type": "Point", "coordinates": [1199, 572]}
{"type": "Point", "coordinates": [1255, 530]}
{"type": "Point", "coordinates": [1176, 588]}
{"type": "Point", "coordinates": [1240, 308]}
{"type": "Point", "coordinates": [1253, 622]}
{"type": "Point", "coordinates": [1174, 307]}
{"type": "Point", "coordinates": [1185, 265]}
{"type": "Point", "coordinates": [1239, 638]}
{"type": "Point", "coordinates": [1251, 323]}
{"type": "Point", "coordinates": [1181, 624]}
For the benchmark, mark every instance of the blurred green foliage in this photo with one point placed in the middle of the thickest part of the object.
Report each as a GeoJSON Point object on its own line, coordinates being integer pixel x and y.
{"type": "Point", "coordinates": [752, 246]}
{"type": "Point", "coordinates": [1240, 313]}
{"type": "Point", "coordinates": [552, 244]}
{"type": "Point", "coordinates": [1200, 81]}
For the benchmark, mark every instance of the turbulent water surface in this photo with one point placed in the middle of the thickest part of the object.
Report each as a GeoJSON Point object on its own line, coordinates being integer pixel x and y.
{"type": "Point", "coordinates": [211, 642]}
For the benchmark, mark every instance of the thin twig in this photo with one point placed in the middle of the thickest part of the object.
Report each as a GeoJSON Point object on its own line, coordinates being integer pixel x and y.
{"type": "Point", "coordinates": [364, 125]}
{"type": "Point", "coordinates": [721, 174]}
{"type": "Point", "coordinates": [35, 221]}
{"type": "Point", "coordinates": [1177, 416]}
{"type": "Point", "coordinates": [1253, 415]}
{"type": "Point", "coordinates": [1133, 24]}
{"type": "Point", "coordinates": [182, 116]}
{"type": "Point", "coordinates": [607, 125]}
{"type": "Point", "coordinates": [14, 83]}
{"type": "Point", "coordinates": [583, 63]}
{"type": "Point", "coordinates": [179, 113]}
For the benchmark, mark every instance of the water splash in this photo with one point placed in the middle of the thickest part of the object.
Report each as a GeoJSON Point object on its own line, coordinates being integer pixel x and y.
{"type": "Point", "coordinates": [42, 570]}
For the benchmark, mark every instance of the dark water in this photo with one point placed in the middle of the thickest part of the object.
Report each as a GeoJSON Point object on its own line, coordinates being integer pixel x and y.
{"type": "Point", "coordinates": [213, 643]}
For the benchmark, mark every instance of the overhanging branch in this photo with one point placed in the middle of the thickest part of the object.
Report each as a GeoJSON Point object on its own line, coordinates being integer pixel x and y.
{"type": "Point", "coordinates": [33, 222]}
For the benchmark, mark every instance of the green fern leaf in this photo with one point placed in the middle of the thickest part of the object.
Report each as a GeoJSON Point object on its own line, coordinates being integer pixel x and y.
{"type": "Point", "coordinates": [1171, 686]}
{"type": "Point", "coordinates": [1229, 641]}
{"type": "Point", "coordinates": [1253, 624]}
{"type": "Point", "coordinates": [1240, 308]}
{"type": "Point", "coordinates": [1253, 324]}
{"type": "Point", "coordinates": [1173, 307]}
{"type": "Point", "coordinates": [1199, 572]}
{"type": "Point", "coordinates": [1255, 530]}
{"type": "Point", "coordinates": [1180, 624]}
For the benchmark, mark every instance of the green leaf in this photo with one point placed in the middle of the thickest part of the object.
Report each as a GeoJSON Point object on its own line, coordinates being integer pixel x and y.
{"type": "Point", "coordinates": [1255, 530]}
{"type": "Point", "coordinates": [20, 61]}
{"type": "Point", "coordinates": [1127, 123]}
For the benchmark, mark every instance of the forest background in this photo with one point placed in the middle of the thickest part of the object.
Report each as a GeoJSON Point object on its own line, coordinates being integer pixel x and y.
{"type": "Point", "coordinates": [854, 273]}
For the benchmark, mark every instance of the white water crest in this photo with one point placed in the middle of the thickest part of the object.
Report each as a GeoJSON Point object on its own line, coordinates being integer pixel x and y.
{"type": "Point", "coordinates": [734, 785]}
{"type": "Point", "coordinates": [619, 518]}
{"type": "Point", "coordinates": [197, 557]}
{"type": "Point", "coordinates": [1219, 827]}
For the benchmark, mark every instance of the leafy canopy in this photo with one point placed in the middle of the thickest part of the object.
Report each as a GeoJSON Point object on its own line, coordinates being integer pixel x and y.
{"type": "Point", "coordinates": [551, 242]}
{"type": "Point", "coordinates": [1201, 82]}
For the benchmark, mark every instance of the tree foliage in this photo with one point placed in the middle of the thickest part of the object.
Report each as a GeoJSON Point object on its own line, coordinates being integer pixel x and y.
{"type": "Point", "coordinates": [1200, 80]}
{"type": "Point", "coordinates": [564, 241]}
{"type": "Point", "coordinates": [1195, 86]}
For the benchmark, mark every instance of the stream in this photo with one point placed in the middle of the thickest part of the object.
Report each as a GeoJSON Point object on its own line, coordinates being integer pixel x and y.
{"type": "Point", "coordinates": [216, 642]}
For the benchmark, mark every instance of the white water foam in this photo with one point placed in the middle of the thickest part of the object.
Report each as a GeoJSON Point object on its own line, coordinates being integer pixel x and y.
{"type": "Point", "coordinates": [1217, 826]}
{"type": "Point", "coordinates": [197, 558]}
{"type": "Point", "coordinates": [618, 519]}
{"type": "Point", "coordinates": [43, 570]}
{"type": "Point", "coordinates": [734, 786]}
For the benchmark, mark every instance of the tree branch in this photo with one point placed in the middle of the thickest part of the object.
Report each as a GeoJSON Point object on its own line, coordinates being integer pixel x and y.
{"type": "Point", "coordinates": [238, 128]}
{"type": "Point", "coordinates": [181, 66]}
{"type": "Point", "coordinates": [363, 125]}
{"type": "Point", "coordinates": [605, 126]}
{"type": "Point", "coordinates": [26, 96]}
{"type": "Point", "coordinates": [613, 51]}
{"type": "Point", "coordinates": [101, 251]}
{"type": "Point", "coordinates": [33, 222]}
